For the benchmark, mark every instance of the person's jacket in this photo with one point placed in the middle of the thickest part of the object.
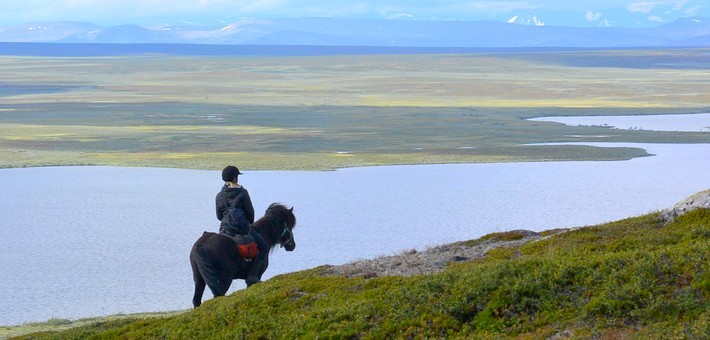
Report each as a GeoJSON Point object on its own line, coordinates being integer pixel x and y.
{"type": "Point", "coordinates": [235, 196]}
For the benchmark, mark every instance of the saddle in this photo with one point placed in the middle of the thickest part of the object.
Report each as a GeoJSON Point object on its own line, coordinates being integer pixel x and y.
{"type": "Point", "coordinates": [246, 246]}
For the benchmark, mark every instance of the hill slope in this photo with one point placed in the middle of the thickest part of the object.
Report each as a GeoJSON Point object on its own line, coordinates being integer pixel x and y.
{"type": "Point", "coordinates": [640, 277]}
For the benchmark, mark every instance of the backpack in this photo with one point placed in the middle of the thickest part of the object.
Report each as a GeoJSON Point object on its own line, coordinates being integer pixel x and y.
{"type": "Point", "coordinates": [237, 222]}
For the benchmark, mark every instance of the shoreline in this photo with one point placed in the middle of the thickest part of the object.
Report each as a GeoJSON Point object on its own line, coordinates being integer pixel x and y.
{"type": "Point", "coordinates": [495, 209]}
{"type": "Point", "coordinates": [646, 147]}
{"type": "Point", "coordinates": [408, 263]}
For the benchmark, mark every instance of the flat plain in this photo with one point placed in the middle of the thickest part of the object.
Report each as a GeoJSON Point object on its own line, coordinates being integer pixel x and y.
{"type": "Point", "coordinates": [327, 112]}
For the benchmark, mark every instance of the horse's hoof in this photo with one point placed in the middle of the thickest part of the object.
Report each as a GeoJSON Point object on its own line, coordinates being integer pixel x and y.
{"type": "Point", "coordinates": [252, 281]}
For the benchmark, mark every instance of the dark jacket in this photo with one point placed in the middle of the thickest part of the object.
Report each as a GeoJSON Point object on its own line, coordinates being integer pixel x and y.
{"type": "Point", "coordinates": [235, 196]}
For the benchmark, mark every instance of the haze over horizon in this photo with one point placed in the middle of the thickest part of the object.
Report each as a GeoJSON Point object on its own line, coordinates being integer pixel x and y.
{"type": "Point", "coordinates": [582, 13]}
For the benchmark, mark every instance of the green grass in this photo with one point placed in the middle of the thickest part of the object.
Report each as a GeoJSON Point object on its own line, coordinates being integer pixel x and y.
{"type": "Point", "coordinates": [311, 138]}
{"type": "Point", "coordinates": [634, 278]}
{"type": "Point", "coordinates": [338, 111]}
{"type": "Point", "coordinates": [58, 324]}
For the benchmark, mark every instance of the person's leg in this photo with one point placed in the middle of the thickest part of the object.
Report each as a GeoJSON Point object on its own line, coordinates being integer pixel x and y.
{"type": "Point", "coordinates": [257, 267]}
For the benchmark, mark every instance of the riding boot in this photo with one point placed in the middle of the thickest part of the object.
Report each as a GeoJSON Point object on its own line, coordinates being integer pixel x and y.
{"type": "Point", "coordinates": [254, 275]}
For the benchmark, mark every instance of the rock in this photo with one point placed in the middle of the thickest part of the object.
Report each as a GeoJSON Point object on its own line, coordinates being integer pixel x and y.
{"type": "Point", "coordinates": [697, 201]}
{"type": "Point", "coordinates": [431, 260]}
{"type": "Point", "coordinates": [524, 233]}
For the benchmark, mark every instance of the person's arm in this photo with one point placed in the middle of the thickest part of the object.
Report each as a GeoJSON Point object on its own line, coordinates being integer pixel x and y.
{"type": "Point", "coordinates": [218, 204]}
{"type": "Point", "coordinates": [248, 207]}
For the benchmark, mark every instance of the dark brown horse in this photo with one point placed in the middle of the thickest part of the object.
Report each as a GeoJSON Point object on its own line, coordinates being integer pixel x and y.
{"type": "Point", "coordinates": [216, 262]}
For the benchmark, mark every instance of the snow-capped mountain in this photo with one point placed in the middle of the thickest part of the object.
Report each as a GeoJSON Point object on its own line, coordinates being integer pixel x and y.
{"type": "Point", "coordinates": [638, 14]}
{"type": "Point", "coordinates": [520, 32]}
{"type": "Point", "coordinates": [526, 20]}
{"type": "Point", "coordinates": [47, 32]}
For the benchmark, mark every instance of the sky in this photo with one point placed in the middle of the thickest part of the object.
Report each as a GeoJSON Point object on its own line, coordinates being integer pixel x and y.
{"type": "Point", "coordinates": [148, 12]}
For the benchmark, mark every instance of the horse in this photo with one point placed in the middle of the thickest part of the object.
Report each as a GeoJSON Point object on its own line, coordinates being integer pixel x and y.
{"type": "Point", "coordinates": [216, 262]}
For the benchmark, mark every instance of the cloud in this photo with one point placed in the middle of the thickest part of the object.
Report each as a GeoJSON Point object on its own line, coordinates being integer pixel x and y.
{"type": "Point", "coordinates": [400, 16]}
{"type": "Point", "coordinates": [679, 4]}
{"type": "Point", "coordinates": [670, 8]}
{"type": "Point", "coordinates": [496, 6]}
{"type": "Point", "coordinates": [642, 6]}
{"type": "Point", "coordinates": [146, 12]}
{"type": "Point", "coordinates": [692, 11]}
{"type": "Point", "coordinates": [115, 10]}
{"type": "Point", "coordinates": [592, 16]}
{"type": "Point", "coordinates": [263, 5]}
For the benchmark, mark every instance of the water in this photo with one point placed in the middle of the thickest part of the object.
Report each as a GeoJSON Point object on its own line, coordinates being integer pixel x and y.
{"type": "Point", "coordinates": [88, 241]}
{"type": "Point", "coordinates": [687, 122]}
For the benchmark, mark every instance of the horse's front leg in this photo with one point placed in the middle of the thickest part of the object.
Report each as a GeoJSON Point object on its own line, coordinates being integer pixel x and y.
{"type": "Point", "coordinates": [264, 265]}
{"type": "Point", "coordinates": [257, 267]}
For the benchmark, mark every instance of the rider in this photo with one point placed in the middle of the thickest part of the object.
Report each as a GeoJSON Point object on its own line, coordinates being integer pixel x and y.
{"type": "Point", "coordinates": [237, 195]}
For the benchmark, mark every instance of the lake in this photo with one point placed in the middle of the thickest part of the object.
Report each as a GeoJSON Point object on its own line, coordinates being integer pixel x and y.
{"type": "Point", "coordinates": [90, 241]}
{"type": "Point", "coordinates": [687, 122]}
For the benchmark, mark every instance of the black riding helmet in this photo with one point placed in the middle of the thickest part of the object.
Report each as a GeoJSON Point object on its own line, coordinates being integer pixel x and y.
{"type": "Point", "coordinates": [230, 173]}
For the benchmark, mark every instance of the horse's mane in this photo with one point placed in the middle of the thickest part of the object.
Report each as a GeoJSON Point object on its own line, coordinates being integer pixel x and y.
{"type": "Point", "coordinates": [276, 215]}
{"type": "Point", "coordinates": [281, 210]}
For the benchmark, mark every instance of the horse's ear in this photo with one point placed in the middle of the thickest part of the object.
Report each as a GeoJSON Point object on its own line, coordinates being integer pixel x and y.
{"type": "Point", "coordinates": [291, 209]}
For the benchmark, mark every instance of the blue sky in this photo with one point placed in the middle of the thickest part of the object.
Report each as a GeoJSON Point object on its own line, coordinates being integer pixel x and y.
{"type": "Point", "coordinates": [148, 12]}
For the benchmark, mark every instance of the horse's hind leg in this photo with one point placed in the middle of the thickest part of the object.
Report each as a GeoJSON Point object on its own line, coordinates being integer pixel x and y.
{"type": "Point", "coordinates": [199, 285]}
{"type": "Point", "coordinates": [220, 286]}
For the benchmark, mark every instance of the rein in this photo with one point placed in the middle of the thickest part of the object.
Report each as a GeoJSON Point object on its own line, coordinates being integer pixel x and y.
{"type": "Point", "coordinates": [286, 236]}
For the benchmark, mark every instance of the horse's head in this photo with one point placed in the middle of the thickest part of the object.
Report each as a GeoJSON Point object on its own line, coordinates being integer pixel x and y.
{"type": "Point", "coordinates": [283, 222]}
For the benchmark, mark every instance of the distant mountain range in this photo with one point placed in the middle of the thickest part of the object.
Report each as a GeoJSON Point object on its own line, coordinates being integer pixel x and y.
{"type": "Point", "coordinates": [518, 32]}
{"type": "Point", "coordinates": [636, 14]}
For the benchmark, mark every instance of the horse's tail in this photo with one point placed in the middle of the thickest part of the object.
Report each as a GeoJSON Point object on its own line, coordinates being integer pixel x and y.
{"type": "Point", "coordinates": [206, 265]}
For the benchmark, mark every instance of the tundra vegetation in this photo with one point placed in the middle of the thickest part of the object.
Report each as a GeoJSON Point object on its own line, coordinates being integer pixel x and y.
{"type": "Point", "coordinates": [634, 278]}
{"type": "Point", "coordinates": [631, 278]}
{"type": "Point", "coordinates": [327, 112]}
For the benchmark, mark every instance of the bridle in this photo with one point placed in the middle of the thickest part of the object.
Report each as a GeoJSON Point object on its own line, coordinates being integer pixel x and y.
{"type": "Point", "coordinates": [286, 238]}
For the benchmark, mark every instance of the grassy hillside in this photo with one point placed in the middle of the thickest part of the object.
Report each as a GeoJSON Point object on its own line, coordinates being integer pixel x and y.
{"type": "Point", "coordinates": [632, 278]}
